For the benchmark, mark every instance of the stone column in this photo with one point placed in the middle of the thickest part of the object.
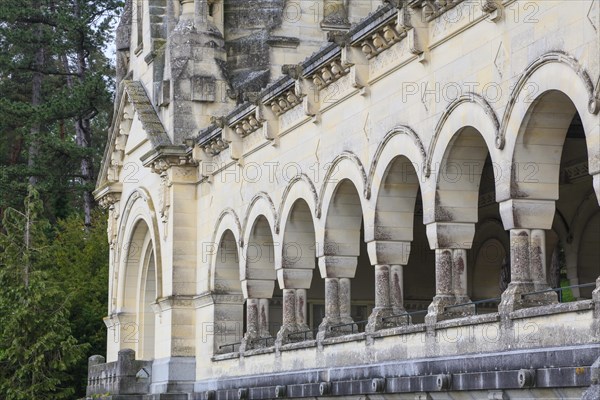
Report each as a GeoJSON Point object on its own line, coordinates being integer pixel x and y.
{"type": "Point", "coordinates": [252, 324]}
{"type": "Point", "coordinates": [257, 324]}
{"type": "Point", "coordinates": [383, 306]}
{"type": "Point", "coordinates": [382, 286]}
{"type": "Point", "coordinates": [288, 325]}
{"type": "Point", "coordinates": [257, 294]}
{"type": "Point", "coordinates": [294, 282]}
{"type": "Point", "coordinates": [263, 318]}
{"type": "Point", "coordinates": [397, 289]}
{"type": "Point", "coordinates": [388, 257]}
{"type": "Point", "coordinates": [450, 241]}
{"type": "Point", "coordinates": [289, 307]}
{"type": "Point", "coordinates": [301, 323]}
{"type": "Point", "coordinates": [443, 286]}
{"type": "Point", "coordinates": [459, 276]}
{"type": "Point", "coordinates": [537, 259]}
{"type": "Point", "coordinates": [527, 221]}
{"type": "Point", "coordinates": [345, 301]}
{"type": "Point", "coordinates": [335, 16]}
{"type": "Point", "coordinates": [337, 271]}
{"type": "Point", "coordinates": [332, 304]}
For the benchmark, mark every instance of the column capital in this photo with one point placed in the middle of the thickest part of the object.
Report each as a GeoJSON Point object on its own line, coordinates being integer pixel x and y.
{"type": "Point", "coordinates": [293, 278]}
{"type": "Point", "coordinates": [388, 252]}
{"type": "Point", "coordinates": [527, 214]}
{"type": "Point", "coordinates": [450, 235]}
{"type": "Point", "coordinates": [258, 289]}
{"type": "Point", "coordinates": [338, 266]}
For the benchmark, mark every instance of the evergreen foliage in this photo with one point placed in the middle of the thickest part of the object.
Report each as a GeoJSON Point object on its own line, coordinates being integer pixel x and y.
{"type": "Point", "coordinates": [56, 91]}
{"type": "Point", "coordinates": [37, 347]}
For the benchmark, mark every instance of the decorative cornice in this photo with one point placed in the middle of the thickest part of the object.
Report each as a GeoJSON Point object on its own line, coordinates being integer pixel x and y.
{"type": "Point", "coordinates": [248, 124]}
{"type": "Point", "coordinates": [284, 102]}
{"type": "Point", "coordinates": [162, 158]}
{"type": "Point", "coordinates": [108, 195]}
{"type": "Point", "coordinates": [215, 146]}
{"type": "Point", "coordinates": [381, 40]}
{"type": "Point", "coordinates": [329, 73]}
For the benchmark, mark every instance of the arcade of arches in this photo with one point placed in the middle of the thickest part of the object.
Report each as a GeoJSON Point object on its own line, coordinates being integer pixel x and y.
{"type": "Point", "coordinates": [407, 270]}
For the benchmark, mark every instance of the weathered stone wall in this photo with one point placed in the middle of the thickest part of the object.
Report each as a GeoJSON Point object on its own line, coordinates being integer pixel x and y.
{"type": "Point", "coordinates": [355, 182]}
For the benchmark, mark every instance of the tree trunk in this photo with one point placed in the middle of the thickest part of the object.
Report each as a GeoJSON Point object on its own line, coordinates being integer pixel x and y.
{"type": "Point", "coordinates": [36, 101]}
{"type": "Point", "coordinates": [83, 130]}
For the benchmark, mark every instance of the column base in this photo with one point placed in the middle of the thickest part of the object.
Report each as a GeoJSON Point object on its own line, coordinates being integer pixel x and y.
{"type": "Point", "coordinates": [438, 311]}
{"type": "Point", "coordinates": [283, 336]}
{"type": "Point", "coordinates": [253, 342]}
{"type": "Point", "coordinates": [294, 334]}
{"type": "Point", "coordinates": [331, 328]}
{"type": "Point", "coordinates": [377, 322]}
{"type": "Point", "coordinates": [512, 299]}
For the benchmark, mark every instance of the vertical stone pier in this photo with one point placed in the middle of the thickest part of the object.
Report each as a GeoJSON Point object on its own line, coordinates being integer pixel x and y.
{"type": "Point", "coordinates": [295, 282]}
{"type": "Point", "coordinates": [450, 241]}
{"type": "Point", "coordinates": [388, 258]}
{"type": "Point", "coordinates": [337, 272]}
{"type": "Point", "coordinates": [257, 294]}
{"type": "Point", "coordinates": [527, 221]}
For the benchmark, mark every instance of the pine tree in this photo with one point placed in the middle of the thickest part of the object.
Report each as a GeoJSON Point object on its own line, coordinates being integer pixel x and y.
{"type": "Point", "coordinates": [36, 345]}
{"type": "Point", "coordinates": [80, 256]}
{"type": "Point", "coordinates": [58, 85]}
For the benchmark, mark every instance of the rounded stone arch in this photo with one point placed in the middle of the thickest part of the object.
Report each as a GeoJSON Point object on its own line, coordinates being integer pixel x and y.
{"type": "Point", "coordinates": [464, 137]}
{"type": "Point", "coordinates": [257, 261]}
{"type": "Point", "coordinates": [546, 98]}
{"type": "Point", "coordinates": [138, 220]}
{"type": "Point", "coordinates": [395, 176]}
{"type": "Point", "coordinates": [260, 204]}
{"type": "Point", "coordinates": [225, 252]}
{"type": "Point", "coordinates": [296, 225]}
{"type": "Point", "coordinates": [300, 187]}
{"type": "Point", "coordinates": [345, 176]}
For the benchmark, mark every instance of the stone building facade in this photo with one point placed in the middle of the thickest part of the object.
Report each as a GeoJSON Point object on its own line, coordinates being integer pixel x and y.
{"type": "Point", "coordinates": [353, 198]}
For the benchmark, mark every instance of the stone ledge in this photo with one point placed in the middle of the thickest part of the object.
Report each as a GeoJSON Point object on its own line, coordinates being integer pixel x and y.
{"type": "Point", "coordinates": [226, 356]}
{"type": "Point", "coordinates": [299, 345]}
{"type": "Point", "coordinates": [256, 352]}
{"type": "Point", "coordinates": [560, 308]}
{"type": "Point", "coordinates": [565, 367]}
{"type": "Point", "coordinates": [343, 339]}
{"type": "Point", "coordinates": [469, 320]}
{"type": "Point", "coordinates": [399, 330]}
